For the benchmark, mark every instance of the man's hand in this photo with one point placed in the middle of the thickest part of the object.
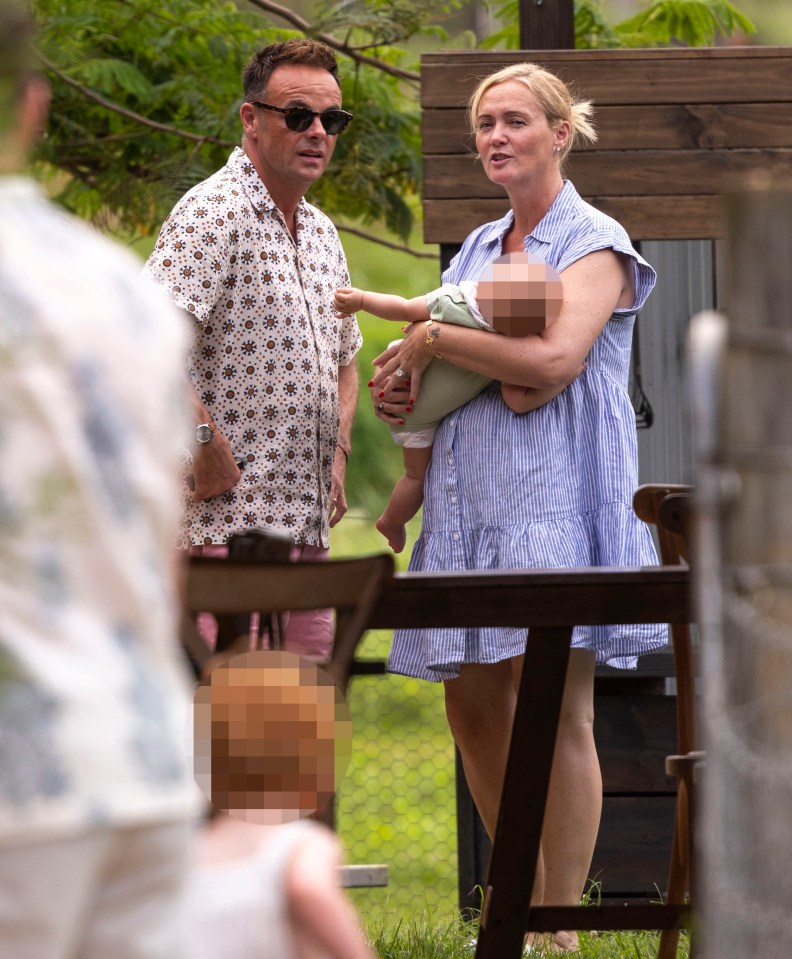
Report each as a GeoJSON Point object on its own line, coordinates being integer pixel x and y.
{"type": "Point", "coordinates": [338, 503]}
{"type": "Point", "coordinates": [214, 469]}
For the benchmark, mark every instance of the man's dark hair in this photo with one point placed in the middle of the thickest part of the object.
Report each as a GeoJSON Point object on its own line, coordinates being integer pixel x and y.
{"type": "Point", "coordinates": [298, 51]}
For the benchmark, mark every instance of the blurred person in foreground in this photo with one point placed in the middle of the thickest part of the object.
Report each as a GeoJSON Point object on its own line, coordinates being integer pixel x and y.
{"type": "Point", "coordinates": [97, 804]}
{"type": "Point", "coordinates": [272, 740]}
{"type": "Point", "coordinates": [273, 370]}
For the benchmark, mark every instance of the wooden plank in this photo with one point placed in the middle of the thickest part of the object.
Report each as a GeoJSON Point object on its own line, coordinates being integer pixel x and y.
{"type": "Point", "coordinates": [682, 126]}
{"type": "Point", "coordinates": [634, 734]}
{"type": "Point", "coordinates": [539, 597]}
{"type": "Point", "coordinates": [622, 173]}
{"type": "Point", "coordinates": [711, 75]}
{"type": "Point", "coordinates": [634, 845]}
{"type": "Point", "coordinates": [644, 218]}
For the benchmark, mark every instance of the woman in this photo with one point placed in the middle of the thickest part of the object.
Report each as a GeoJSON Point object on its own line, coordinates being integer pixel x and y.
{"type": "Point", "coordinates": [550, 488]}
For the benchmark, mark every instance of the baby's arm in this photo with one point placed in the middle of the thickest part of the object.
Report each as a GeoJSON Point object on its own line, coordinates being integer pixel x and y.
{"type": "Point", "coordinates": [384, 305]}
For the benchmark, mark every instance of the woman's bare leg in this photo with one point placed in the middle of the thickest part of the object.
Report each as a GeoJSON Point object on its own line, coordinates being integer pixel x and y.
{"type": "Point", "coordinates": [574, 798]}
{"type": "Point", "coordinates": [480, 709]}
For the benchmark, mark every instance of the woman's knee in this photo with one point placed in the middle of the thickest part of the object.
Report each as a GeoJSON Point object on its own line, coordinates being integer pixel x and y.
{"type": "Point", "coordinates": [480, 702]}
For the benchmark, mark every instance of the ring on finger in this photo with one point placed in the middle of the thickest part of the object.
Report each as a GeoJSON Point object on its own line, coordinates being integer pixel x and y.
{"type": "Point", "coordinates": [380, 407]}
{"type": "Point", "coordinates": [400, 373]}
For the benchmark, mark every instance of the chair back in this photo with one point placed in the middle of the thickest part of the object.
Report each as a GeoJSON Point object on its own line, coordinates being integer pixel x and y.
{"type": "Point", "coordinates": [668, 507]}
{"type": "Point", "coordinates": [350, 586]}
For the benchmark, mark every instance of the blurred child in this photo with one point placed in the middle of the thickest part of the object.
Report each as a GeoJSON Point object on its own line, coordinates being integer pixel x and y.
{"type": "Point", "coordinates": [272, 737]}
{"type": "Point", "coordinates": [517, 295]}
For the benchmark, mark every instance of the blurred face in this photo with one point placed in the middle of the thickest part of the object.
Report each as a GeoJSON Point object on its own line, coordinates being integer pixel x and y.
{"type": "Point", "coordinates": [271, 737]}
{"type": "Point", "coordinates": [286, 161]}
{"type": "Point", "coordinates": [514, 140]}
{"type": "Point", "coordinates": [519, 294]}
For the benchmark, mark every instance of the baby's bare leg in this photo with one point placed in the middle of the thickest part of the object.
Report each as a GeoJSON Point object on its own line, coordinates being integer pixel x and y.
{"type": "Point", "coordinates": [406, 498]}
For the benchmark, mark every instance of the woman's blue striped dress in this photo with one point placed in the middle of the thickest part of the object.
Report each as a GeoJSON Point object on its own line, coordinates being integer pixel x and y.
{"type": "Point", "coordinates": [549, 488]}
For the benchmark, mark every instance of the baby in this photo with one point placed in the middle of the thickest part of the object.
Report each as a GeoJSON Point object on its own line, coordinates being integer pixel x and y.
{"type": "Point", "coordinates": [517, 295]}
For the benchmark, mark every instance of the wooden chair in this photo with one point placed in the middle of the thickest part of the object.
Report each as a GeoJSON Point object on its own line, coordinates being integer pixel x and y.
{"type": "Point", "coordinates": [230, 587]}
{"type": "Point", "coordinates": [667, 507]}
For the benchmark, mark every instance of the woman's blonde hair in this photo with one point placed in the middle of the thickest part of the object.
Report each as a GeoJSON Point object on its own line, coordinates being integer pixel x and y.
{"type": "Point", "coordinates": [553, 96]}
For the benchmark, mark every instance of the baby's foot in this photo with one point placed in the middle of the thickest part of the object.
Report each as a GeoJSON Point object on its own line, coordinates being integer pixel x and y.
{"type": "Point", "coordinates": [394, 533]}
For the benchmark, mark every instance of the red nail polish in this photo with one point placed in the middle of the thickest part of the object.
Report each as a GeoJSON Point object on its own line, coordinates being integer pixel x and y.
{"type": "Point", "coordinates": [381, 395]}
{"type": "Point", "coordinates": [401, 422]}
{"type": "Point", "coordinates": [409, 409]}
{"type": "Point", "coordinates": [412, 401]}
{"type": "Point", "coordinates": [370, 383]}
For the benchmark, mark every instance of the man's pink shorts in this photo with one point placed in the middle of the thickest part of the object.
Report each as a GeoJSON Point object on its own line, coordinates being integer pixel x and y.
{"type": "Point", "coordinates": [307, 633]}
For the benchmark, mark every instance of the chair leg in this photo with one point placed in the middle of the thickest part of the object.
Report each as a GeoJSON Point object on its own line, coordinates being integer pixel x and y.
{"type": "Point", "coordinates": [677, 873]}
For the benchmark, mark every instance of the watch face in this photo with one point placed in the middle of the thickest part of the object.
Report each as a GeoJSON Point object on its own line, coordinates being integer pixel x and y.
{"type": "Point", "coordinates": [203, 433]}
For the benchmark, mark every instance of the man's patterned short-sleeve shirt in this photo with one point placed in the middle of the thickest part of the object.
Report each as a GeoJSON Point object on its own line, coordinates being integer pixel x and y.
{"type": "Point", "coordinates": [267, 347]}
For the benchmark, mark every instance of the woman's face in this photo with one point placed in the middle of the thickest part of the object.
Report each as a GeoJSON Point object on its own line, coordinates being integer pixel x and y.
{"type": "Point", "coordinates": [514, 140]}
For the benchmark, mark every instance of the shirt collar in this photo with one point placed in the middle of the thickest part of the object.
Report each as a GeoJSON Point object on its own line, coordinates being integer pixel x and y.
{"type": "Point", "coordinates": [252, 184]}
{"type": "Point", "coordinates": [562, 208]}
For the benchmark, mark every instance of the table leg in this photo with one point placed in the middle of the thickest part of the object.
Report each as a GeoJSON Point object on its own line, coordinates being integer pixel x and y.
{"type": "Point", "coordinates": [518, 834]}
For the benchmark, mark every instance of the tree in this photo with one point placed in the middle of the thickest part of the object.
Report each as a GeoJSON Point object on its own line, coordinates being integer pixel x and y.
{"type": "Point", "coordinates": [146, 94]}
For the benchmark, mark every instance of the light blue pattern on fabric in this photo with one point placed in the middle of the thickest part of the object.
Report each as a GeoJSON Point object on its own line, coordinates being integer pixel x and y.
{"type": "Point", "coordinates": [105, 430]}
{"type": "Point", "coordinates": [32, 768]}
{"type": "Point", "coordinates": [158, 759]}
{"type": "Point", "coordinates": [547, 489]}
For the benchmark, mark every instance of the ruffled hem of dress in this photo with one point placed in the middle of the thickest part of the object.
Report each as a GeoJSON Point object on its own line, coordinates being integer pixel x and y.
{"type": "Point", "coordinates": [608, 536]}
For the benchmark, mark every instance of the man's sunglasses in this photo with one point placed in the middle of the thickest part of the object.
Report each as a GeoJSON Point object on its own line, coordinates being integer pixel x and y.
{"type": "Point", "coordinates": [298, 119]}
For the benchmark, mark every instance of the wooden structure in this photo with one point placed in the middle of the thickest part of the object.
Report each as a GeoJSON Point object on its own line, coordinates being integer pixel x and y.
{"type": "Point", "coordinates": [678, 128]}
{"type": "Point", "coordinates": [550, 603]}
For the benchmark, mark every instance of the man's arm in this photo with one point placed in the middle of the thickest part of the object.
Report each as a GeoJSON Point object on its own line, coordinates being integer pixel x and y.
{"type": "Point", "coordinates": [347, 404]}
{"type": "Point", "coordinates": [214, 468]}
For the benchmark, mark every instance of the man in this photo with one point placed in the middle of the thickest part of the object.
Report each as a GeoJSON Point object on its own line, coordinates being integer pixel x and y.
{"type": "Point", "coordinates": [273, 371]}
{"type": "Point", "coordinates": [97, 801]}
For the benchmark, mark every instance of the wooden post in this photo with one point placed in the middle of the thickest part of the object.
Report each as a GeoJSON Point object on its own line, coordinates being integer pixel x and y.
{"type": "Point", "coordinates": [547, 24]}
{"type": "Point", "coordinates": [744, 477]}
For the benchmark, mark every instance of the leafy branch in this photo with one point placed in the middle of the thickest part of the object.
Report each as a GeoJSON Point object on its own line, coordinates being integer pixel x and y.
{"type": "Point", "coordinates": [304, 26]}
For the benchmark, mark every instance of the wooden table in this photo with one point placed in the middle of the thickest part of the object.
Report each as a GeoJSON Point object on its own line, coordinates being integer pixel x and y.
{"type": "Point", "coordinates": [551, 603]}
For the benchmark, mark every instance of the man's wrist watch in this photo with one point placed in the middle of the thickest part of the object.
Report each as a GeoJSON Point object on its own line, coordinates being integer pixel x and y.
{"type": "Point", "coordinates": [204, 432]}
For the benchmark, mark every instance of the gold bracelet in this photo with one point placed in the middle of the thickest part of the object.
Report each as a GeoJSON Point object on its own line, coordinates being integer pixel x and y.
{"type": "Point", "coordinates": [431, 337]}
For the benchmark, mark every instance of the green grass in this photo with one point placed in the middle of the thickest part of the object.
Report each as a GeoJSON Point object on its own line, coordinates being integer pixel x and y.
{"type": "Point", "coordinates": [429, 936]}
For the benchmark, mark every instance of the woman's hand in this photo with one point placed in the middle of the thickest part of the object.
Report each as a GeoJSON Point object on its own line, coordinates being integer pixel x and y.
{"type": "Point", "coordinates": [400, 368]}
{"type": "Point", "coordinates": [391, 404]}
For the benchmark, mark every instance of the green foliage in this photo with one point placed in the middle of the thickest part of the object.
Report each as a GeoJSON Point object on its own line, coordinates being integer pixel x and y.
{"type": "Point", "coordinates": [146, 98]}
{"type": "Point", "coordinates": [695, 23]}
{"type": "Point", "coordinates": [146, 94]}
{"type": "Point", "coordinates": [691, 22]}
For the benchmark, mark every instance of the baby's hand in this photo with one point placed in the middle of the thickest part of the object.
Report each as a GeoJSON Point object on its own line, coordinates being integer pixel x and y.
{"type": "Point", "coordinates": [347, 299]}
